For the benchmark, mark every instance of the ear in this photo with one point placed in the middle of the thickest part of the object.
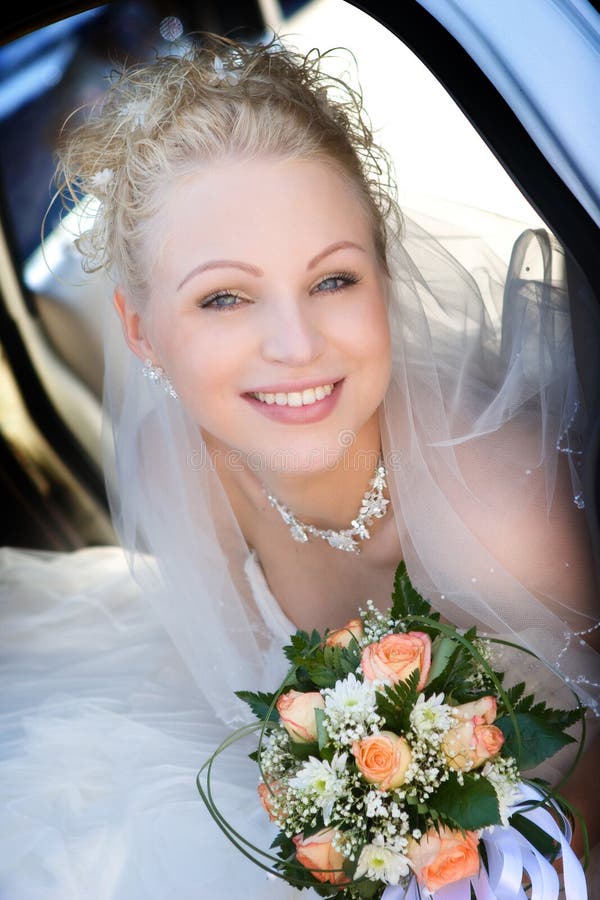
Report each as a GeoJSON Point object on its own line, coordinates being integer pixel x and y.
{"type": "Point", "coordinates": [133, 329]}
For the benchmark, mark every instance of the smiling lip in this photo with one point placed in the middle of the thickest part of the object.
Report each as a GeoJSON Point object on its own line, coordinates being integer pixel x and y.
{"type": "Point", "coordinates": [290, 387]}
{"type": "Point", "coordinates": [297, 415]}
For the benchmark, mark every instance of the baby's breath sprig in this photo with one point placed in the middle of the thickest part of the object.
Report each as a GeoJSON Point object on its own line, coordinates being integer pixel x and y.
{"type": "Point", "coordinates": [376, 624]}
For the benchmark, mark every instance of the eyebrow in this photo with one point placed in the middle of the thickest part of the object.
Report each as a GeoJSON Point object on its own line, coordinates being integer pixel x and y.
{"type": "Point", "coordinates": [254, 270]}
{"type": "Point", "coordinates": [221, 264]}
{"type": "Point", "coordinates": [339, 245]}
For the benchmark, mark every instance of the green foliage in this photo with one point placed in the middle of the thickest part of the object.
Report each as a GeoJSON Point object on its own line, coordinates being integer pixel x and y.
{"type": "Point", "coordinates": [406, 600]}
{"type": "Point", "coordinates": [366, 889]}
{"type": "Point", "coordinates": [452, 675]}
{"type": "Point", "coordinates": [562, 718]}
{"type": "Point", "coordinates": [540, 737]}
{"type": "Point", "coordinates": [395, 703]}
{"type": "Point", "coordinates": [260, 704]}
{"type": "Point", "coordinates": [442, 652]}
{"type": "Point", "coordinates": [470, 805]}
{"type": "Point", "coordinates": [325, 890]}
{"type": "Point", "coordinates": [541, 728]}
{"type": "Point", "coordinates": [301, 646]}
{"type": "Point", "coordinates": [302, 751]}
{"type": "Point", "coordinates": [318, 665]}
{"type": "Point", "coordinates": [330, 664]}
{"type": "Point", "coordinates": [322, 736]}
{"type": "Point", "coordinates": [284, 843]}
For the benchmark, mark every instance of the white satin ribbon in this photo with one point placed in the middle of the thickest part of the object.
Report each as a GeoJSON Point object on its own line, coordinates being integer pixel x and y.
{"type": "Point", "coordinates": [511, 857]}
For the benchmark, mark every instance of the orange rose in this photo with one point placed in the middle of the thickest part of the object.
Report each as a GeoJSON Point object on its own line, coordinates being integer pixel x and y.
{"type": "Point", "coordinates": [395, 656]}
{"type": "Point", "coordinates": [342, 637]}
{"type": "Point", "coordinates": [266, 798]}
{"type": "Point", "coordinates": [469, 744]}
{"type": "Point", "coordinates": [442, 858]}
{"type": "Point", "coordinates": [297, 713]}
{"type": "Point", "coordinates": [383, 759]}
{"type": "Point", "coordinates": [318, 851]}
{"type": "Point", "coordinates": [484, 707]}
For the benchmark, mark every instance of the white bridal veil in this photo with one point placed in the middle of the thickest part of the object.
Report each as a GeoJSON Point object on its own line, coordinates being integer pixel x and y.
{"type": "Point", "coordinates": [481, 418]}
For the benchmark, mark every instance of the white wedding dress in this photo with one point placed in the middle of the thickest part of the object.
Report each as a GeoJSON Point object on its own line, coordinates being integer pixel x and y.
{"type": "Point", "coordinates": [112, 692]}
{"type": "Point", "coordinates": [102, 734]}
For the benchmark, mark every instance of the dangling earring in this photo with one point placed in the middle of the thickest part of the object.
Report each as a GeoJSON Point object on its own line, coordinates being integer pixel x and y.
{"type": "Point", "coordinates": [157, 375]}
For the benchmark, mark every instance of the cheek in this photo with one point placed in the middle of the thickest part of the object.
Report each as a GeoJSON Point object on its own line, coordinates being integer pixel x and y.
{"type": "Point", "coordinates": [373, 340]}
{"type": "Point", "coordinates": [201, 368]}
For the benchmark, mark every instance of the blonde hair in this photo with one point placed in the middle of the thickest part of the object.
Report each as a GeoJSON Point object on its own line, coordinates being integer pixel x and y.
{"type": "Point", "coordinates": [222, 99]}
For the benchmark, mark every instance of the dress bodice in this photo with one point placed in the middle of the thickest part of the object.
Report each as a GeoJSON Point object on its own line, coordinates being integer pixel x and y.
{"type": "Point", "coordinates": [279, 624]}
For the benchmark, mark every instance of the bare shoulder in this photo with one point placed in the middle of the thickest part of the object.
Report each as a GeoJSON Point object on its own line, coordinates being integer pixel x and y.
{"type": "Point", "coordinates": [527, 517]}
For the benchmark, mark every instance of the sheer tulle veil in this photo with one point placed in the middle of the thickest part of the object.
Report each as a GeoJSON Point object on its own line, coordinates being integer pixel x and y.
{"type": "Point", "coordinates": [482, 403]}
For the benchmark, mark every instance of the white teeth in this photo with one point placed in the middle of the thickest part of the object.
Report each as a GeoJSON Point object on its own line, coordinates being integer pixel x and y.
{"type": "Point", "coordinates": [296, 398]}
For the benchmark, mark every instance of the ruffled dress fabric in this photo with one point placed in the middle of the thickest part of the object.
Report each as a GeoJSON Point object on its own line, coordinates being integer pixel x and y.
{"type": "Point", "coordinates": [102, 734]}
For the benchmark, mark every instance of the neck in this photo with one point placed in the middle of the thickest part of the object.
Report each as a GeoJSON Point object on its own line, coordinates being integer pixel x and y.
{"type": "Point", "coordinates": [327, 497]}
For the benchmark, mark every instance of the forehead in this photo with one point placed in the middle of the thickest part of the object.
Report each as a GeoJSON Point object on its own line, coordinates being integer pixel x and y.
{"type": "Point", "coordinates": [259, 211]}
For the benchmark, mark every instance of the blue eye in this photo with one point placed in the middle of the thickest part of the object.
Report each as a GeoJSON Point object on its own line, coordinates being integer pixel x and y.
{"type": "Point", "coordinates": [338, 282]}
{"type": "Point", "coordinates": [221, 300]}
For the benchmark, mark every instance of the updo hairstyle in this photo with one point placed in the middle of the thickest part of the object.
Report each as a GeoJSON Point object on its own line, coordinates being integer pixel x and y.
{"type": "Point", "coordinates": [160, 120]}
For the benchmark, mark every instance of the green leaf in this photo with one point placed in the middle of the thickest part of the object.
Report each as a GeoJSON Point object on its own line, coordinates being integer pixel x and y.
{"type": "Point", "coordinates": [285, 844]}
{"type": "Point", "coordinates": [304, 750]}
{"type": "Point", "coordinates": [406, 600]}
{"type": "Point", "coordinates": [260, 704]}
{"type": "Point", "coordinates": [366, 888]}
{"type": "Point", "coordinates": [540, 839]}
{"type": "Point", "coordinates": [327, 665]}
{"type": "Point", "coordinates": [301, 646]}
{"type": "Point", "coordinates": [515, 693]}
{"type": "Point", "coordinates": [472, 805]}
{"type": "Point", "coordinates": [322, 736]}
{"type": "Point", "coordinates": [455, 680]}
{"type": "Point", "coordinates": [395, 703]}
{"type": "Point", "coordinates": [443, 650]}
{"type": "Point", "coordinates": [541, 736]}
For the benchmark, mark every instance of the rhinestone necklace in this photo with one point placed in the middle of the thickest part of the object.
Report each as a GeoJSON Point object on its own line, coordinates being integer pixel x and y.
{"type": "Point", "coordinates": [373, 506]}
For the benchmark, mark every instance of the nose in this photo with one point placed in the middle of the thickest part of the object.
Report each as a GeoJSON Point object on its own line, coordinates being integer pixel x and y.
{"type": "Point", "coordinates": [292, 334]}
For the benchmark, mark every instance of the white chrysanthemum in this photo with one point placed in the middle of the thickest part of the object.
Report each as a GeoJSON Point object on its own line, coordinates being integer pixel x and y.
{"type": "Point", "coordinates": [102, 178]}
{"type": "Point", "coordinates": [323, 780]}
{"type": "Point", "coordinates": [431, 716]}
{"type": "Point", "coordinates": [379, 863]}
{"type": "Point", "coordinates": [350, 698]}
{"type": "Point", "coordinates": [507, 788]}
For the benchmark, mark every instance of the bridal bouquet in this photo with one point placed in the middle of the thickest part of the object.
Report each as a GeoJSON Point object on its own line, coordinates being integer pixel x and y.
{"type": "Point", "coordinates": [391, 760]}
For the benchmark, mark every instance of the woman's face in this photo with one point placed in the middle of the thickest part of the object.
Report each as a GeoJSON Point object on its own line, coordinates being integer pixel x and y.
{"type": "Point", "coordinates": [268, 310]}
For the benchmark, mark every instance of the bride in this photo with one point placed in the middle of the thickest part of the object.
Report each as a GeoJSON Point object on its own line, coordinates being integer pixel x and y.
{"type": "Point", "coordinates": [291, 336]}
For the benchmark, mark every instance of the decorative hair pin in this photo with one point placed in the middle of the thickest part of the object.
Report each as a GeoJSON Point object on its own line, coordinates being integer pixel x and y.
{"type": "Point", "coordinates": [223, 73]}
{"type": "Point", "coordinates": [101, 180]}
{"type": "Point", "coordinates": [137, 111]}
